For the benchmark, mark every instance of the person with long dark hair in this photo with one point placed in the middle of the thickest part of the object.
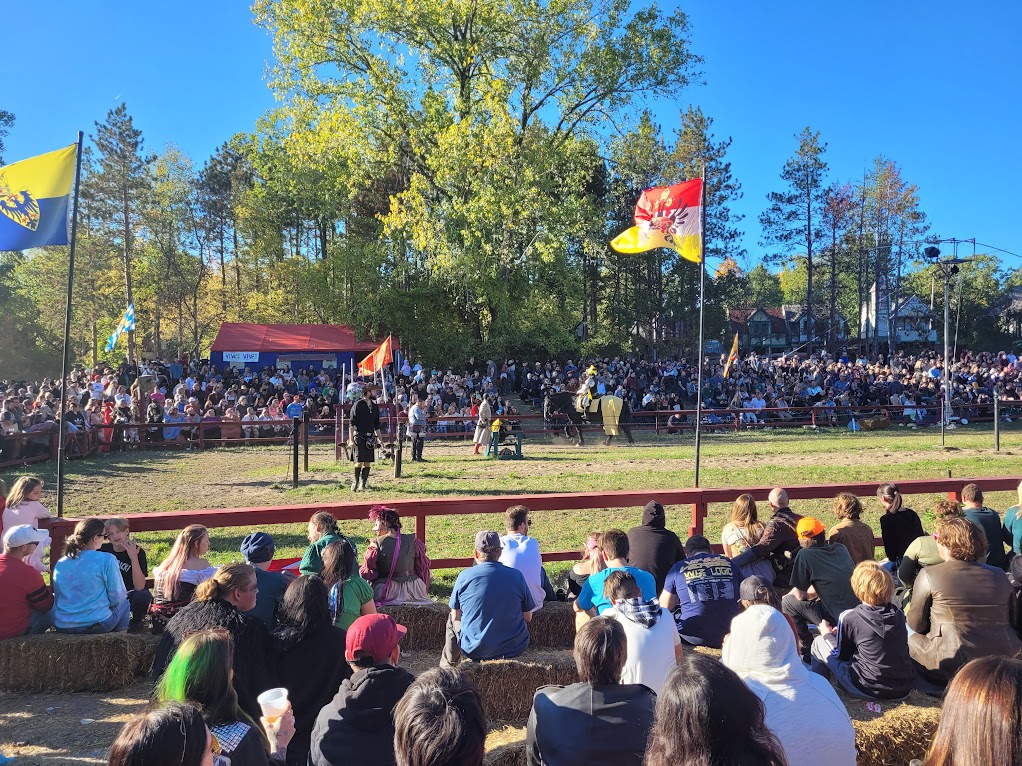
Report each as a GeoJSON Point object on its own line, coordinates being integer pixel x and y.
{"type": "Point", "coordinates": [899, 525]}
{"type": "Point", "coordinates": [201, 673]}
{"type": "Point", "coordinates": [705, 714]}
{"type": "Point", "coordinates": [310, 661]}
{"type": "Point", "coordinates": [349, 595]}
{"type": "Point", "coordinates": [440, 721]}
{"type": "Point", "coordinates": [171, 735]}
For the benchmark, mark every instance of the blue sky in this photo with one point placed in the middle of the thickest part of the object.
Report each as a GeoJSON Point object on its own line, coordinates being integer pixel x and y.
{"type": "Point", "coordinates": [934, 86]}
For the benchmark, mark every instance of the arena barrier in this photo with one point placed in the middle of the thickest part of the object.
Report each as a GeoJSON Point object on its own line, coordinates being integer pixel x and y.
{"type": "Point", "coordinates": [698, 500]}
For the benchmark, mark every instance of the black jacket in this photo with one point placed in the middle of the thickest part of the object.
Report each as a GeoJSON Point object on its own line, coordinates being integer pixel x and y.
{"type": "Point", "coordinates": [583, 725]}
{"type": "Point", "coordinates": [357, 726]}
{"type": "Point", "coordinates": [653, 548]}
{"type": "Point", "coordinates": [254, 669]}
{"type": "Point", "coordinates": [779, 544]}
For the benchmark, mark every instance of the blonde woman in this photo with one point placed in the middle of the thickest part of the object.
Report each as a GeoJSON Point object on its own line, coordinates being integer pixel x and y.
{"type": "Point", "coordinates": [178, 577]}
{"type": "Point", "coordinates": [742, 532]}
{"type": "Point", "coordinates": [593, 561]}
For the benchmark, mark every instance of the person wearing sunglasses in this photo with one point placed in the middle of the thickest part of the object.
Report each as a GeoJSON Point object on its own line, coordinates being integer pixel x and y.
{"type": "Point", "coordinates": [521, 552]}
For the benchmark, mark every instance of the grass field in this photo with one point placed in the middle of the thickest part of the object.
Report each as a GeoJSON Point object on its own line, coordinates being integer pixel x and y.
{"type": "Point", "coordinates": [166, 481]}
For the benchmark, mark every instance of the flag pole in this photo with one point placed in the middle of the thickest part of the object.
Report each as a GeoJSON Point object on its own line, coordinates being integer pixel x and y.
{"type": "Point", "coordinates": [702, 302]}
{"type": "Point", "coordinates": [67, 333]}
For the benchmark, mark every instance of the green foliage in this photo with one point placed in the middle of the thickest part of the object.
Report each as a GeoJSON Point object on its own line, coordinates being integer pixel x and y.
{"type": "Point", "coordinates": [6, 122]}
{"type": "Point", "coordinates": [764, 288]}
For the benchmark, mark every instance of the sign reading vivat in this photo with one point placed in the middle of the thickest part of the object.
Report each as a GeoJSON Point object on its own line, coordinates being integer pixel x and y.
{"type": "Point", "coordinates": [241, 356]}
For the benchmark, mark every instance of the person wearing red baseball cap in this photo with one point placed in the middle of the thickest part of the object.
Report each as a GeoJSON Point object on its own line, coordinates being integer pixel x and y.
{"type": "Point", "coordinates": [357, 726]}
{"type": "Point", "coordinates": [821, 580]}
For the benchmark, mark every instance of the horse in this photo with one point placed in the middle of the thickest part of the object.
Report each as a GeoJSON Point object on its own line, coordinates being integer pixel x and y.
{"type": "Point", "coordinates": [611, 412]}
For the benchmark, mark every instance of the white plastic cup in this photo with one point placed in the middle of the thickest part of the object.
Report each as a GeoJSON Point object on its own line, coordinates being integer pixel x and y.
{"type": "Point", "coordinates": [273, 703]}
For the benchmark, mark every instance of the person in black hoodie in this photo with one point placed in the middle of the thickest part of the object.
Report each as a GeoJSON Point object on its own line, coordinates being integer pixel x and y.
{"type": "Point", "coordinates": [652, 547]}
{"type": "Point", "coordinates": [310, 663]}
{"type": "Point", "coordinates": [779, 542]}
{"type": "Point", "coordinates": [219, 603]}
{"type": "Point", "coordinates": [357, 725]}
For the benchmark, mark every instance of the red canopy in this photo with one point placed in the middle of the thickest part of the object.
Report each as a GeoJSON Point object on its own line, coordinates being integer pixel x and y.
{"type": "Point", "coordinates": [285, 338]}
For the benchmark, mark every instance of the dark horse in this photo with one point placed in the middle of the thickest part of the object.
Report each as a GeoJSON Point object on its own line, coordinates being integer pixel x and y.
{"type": "Point", "coordinates": [567, 404]}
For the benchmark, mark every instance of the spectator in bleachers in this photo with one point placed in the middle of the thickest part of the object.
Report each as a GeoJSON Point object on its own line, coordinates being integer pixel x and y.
{"type": "Point", "coordinates": [310, 664]}
{"type": "Point", "coordinates": [175, 580]}
{"type": "Point", "coordinates": [599, 721]}
{"type": "Point", "coordinates": [521, 552]}
{"type": "Point", "coordinates": [322, 531]}
{"type": "Point", "coordinates": [899, 525]}
{"type": "Point", "coordinates": [221, 602]}
{"type": "Point", "coordinates": [395, 564]}
{"type": "Point", "coordinates": [779, 542]}
{"type": "Point", "coordinates": [981, 717]}
{"type": "Point", "coordinates": [989, 521]}
{"type": "Point", "coordinates": [591, 600]}
{"type": "Point", "coordinates": [1011, 527]}
{"type": "Point", "coordinates": [349, 596]}
{"type": "Point", "coordinates": [923, 552]}
{"type": "Point", "coordinates": [742, 532]}
{"type": "Point", "coordinates": [201, 672]}
{"type": "Point", "coordinates": [850, 531]}
{"type": "Point", "coordinates": [441, 721]}
{"type": "Point", "coordinates": [592, 562]}
{"type": "Point", "coordinates": [26, 601]}
{"type": "Point", "coordinates": [258, 549]}
{"type": "Point", "coordinates": [23, 507]}
{"type": "Point", "coordinates": [706, 715]}
{"type": "Point", "coordinates": [652, 547]}
{"type": "Point", "coordinates": [356, 728]}
{"type": "Point", "coordinates": [959, 608]}
{"type": "Point", "coordinates": [133, 566]}
{"type": "Point", "coordinates": [654, 647]}
{"type": "Point", "coordinates": [820, 581]}
{"type": "Point", "coordinates": [170, 735]}
{"type": "Point", "coordinates": [867, 651]}
{"type": "Point", "coordinates": [702, 591]}
{"type": "Point", "coordinates": [88, 590]}
{"type": "Point", "coordinates": [802, 709]}
{"type": "Point", "coordinates": [490, 606]}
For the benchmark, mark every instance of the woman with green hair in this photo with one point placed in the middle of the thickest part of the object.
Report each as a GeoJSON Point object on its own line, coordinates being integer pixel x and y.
{"type": "Point", "coordinates": [201, 673]}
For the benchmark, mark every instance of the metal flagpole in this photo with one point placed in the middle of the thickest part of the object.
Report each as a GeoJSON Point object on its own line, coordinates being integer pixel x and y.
{"type": "Point", "coordinates": [702, 288]}
{"type": "Point", "coordinates": [67, 333]}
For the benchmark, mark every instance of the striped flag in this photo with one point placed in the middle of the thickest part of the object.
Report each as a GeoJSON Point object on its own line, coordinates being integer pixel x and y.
{"type": "Point", "coordinates": [731, 358]}
{"type": "Point", "coordinates": [668, 216]}
{"type": "Point", "coordinates": [127, 324]}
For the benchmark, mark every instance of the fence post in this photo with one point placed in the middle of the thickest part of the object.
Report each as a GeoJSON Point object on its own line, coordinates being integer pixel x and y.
{"type": "Point", "coordinates": [202, 434]}
{"type": "Point", "coordinates": [398, 446]}
{"type": "Point", "coordinates": [338, 421]}
{"type": "Point", "coordinates": [296, 433]}
{"type": "Point", "coordinates": [305, 440]}
{"type": "Point", "coordinates": [813, 414]}
{"type": "Point", "coordinates": [420, 527]}
{"type": "Point", "coordinates": [656, 422]}
{"type": "Point", "coordinates": [738, 419]}
{"type": "Point", "coordinates": [997, 422]}
{"type": "Point", "coordinates": [698, 514]}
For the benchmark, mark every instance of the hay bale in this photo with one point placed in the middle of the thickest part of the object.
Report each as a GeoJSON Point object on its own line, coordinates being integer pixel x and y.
{"type": "Point", "coordinates": [553, 626]}
{"type": "Point", "coordinates": [426, 624]}
{"type": "Point", "coordinates": [508, 686]}
{"type": "Point", "coordinates": [900, 732]}
{"type": "Point", "coordinates": [505, 747]}
{"type": "Point", "coordinates": [58, 662]}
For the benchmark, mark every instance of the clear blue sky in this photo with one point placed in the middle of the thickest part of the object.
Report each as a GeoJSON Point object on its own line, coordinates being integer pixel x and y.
{"type": "Point", "coordinates": [933, 86]}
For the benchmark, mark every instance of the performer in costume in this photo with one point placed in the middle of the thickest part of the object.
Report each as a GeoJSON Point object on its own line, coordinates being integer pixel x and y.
{"type": "Point", "coordinates": [591, 384]}
{"type": "Point", "coordinates": [482, 434]}
{"type": "Point", "coordinates": [365, 432]}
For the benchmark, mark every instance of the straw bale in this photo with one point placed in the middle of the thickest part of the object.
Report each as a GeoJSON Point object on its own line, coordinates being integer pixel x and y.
{"type": "Point", "coordinates": [900, 732]}
{"type": "Point", "coordinates": [505, 747]}
{"type": "Point", "coordinates": [426, 624]}
{"type": "Point", "coordinates": [58, 662]}
{"type": "Point", "coordinates": [508, 686]}
{"type": "Point", "coordinates": [553, 626]}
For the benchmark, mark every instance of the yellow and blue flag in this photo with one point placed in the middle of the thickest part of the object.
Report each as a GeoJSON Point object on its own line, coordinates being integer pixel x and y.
{"type": "Point", "coordinates": [35, 200]}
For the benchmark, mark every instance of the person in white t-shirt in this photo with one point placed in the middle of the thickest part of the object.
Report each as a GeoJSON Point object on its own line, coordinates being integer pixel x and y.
{"type": "Point", "coordinates": [521, 552]}
{"type": "Point", "coordinates": [654, 646]}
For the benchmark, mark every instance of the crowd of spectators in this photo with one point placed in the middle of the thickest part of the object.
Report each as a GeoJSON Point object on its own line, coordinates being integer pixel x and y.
{"type": "Point", "coordinates": [231, 635]}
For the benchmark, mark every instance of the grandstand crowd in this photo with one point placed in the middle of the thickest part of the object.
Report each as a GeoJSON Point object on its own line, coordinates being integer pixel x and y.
{"type": "Point", "coordinates": [795, 609]}
{"type": "Point", "coordinates": [179, 401]}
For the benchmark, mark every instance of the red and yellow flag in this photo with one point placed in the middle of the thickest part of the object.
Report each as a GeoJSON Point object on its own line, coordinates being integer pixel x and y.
{"type": "Point", "coordinates": [668, 216]}
{"type": "Point", "coordinates": [378, 359]}
{"type": "Point", "coordinates": [732, 357]}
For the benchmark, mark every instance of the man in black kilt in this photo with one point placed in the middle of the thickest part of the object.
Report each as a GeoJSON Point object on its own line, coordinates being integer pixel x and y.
{"type": "Point", "coordinates": [365, 426]}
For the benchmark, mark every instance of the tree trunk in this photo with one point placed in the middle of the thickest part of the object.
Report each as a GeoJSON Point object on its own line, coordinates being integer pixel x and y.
{"type": "Point", "coordinates": [125, 211]}
{"type": "Point", "coordinates": [810, 317]}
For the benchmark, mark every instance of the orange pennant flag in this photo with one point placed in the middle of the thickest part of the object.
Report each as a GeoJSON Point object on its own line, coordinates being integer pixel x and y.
{"type": "Point", "coordinates": [378, 359]}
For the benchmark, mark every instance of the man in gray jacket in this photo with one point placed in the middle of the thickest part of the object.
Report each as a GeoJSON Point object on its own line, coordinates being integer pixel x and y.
{"type": "Point", "coordinates": [417, 428]}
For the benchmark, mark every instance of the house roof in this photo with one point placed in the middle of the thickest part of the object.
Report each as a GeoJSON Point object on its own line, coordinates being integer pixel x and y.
{"type": "Point", "coordinates": [1010, 303]}
{"type": "Point", "coordinates": [739, 319]}
{"type": "Point", "coordinates": [240, 336]}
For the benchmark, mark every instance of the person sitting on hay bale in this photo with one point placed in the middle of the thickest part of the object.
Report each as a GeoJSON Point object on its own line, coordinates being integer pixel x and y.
{"type": "Point", "coordinates": [981, 717]}
{"type": "Point", "coordinates": [652, 547]}
{"type": "Point", "coordinates": [779, 541]}
{"type": "Point", "coordinates": [922, 552]}
{"type": "Point", "coordinates": [599, 721]}
{"type": "Point", "coordinates": [321, 532]}
{"type": "Point", "coordinates": [26, 602]}
{"type": "Point", "coordinates": [702, 590]}
{"type": "Point", "coordinates": [899, 525]}
{"type": "Point", "coordinates": [705, 714]}
{"type": "Point", "coordinates": [221, 602]}
{"type": "Point", "coordinates": [201, 674]}
{"type": "Point", "coordinates": [349, 596]}
{"type": "Point", "coordinates": [988, 520]}
{"type": "Point", "coordinates": [441, 721]}
{"type": "Point", "coordinates": [802, 709]}
{"type": "Point", "coordinates": [591, 600]}
{"type": "Point", "coordinates": [175, 580]}
{"type": "Point", "coordinates": [134, 567]}
{"type": "Point", "coordinates": [521, 552]}
{"type": "Point", "coordinates": [490, 606]}
{"type": "Point", "coordinates": [356, 727]}
{"type": "Point", "coordinates": [395, 564]}
{"type": "Point", "coordinates": [88, 591]}
{"type": "Point", "coordinates": [867, 652]}
{"type": "Point", "coordinates": [856, 535]}
{"type": "Point", "coordinates": [592, 561]}
{"type": "Point", "coordinates": [960, 608]}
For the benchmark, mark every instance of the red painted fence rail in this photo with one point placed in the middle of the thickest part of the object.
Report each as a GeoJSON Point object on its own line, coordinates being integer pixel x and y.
{"type": "Point", "coordinates": [421, 509]}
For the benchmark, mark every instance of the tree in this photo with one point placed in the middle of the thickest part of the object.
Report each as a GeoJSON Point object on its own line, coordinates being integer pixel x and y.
{"type": "Point", "coordinates": [764, 288]}
{"type": "Point", "coordinates": [118, 182]}
{"type": "Point", "coordinates": [792, 222]}
{"type": "Point", "coordinates": [839, 203]}
{"type": "Point", "coordinates": [6, 122]}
